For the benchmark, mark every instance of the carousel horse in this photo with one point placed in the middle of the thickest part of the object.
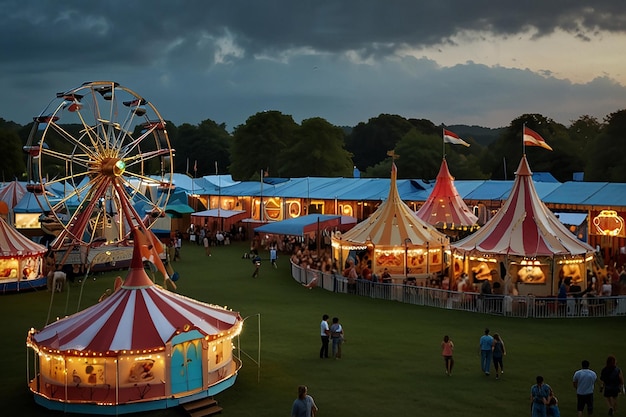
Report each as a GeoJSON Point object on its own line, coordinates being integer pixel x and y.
{"type": "Point", "coordinates": [532, 274]}
{"type": "Point", "coordinates": [481, 272]}
{"type": "Point", "coordinates": [572, 271]}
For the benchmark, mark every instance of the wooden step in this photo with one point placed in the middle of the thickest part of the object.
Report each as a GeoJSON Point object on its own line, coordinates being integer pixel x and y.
{"type": "Point", "coordinates": [207, 411]}
{"type": "Point", "coordinates": [195, 405]}
{"type": "Point", "coordinates": [202, 408]}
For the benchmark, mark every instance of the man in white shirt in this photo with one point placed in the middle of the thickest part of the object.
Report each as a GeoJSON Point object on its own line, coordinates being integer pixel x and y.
{"type": "Point", "coordinates": [584, 382]}
{"type": "Point", "coordinates": [325, 335]}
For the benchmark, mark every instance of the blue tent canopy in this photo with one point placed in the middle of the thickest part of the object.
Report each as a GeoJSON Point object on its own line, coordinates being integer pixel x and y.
{"type": "Point", "coordinates": [300, 225]}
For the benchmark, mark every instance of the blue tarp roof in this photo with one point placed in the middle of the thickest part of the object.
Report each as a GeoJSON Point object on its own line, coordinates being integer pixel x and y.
{"type": "Point", "coordinates": [296, 226]}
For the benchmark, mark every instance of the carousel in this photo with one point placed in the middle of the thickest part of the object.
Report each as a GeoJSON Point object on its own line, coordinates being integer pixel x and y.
{"type": "Point", "coordinates": [142, 348]}
{"type": "Point", "coordinates": [394, 238]}
{"type": "Point", "coordinates": [524, 246]}
{"type": "Point", "coordinates": [21, 261]}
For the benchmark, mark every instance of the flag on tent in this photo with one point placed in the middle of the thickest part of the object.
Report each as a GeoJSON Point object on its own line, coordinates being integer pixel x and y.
{"type": "Point", "coordinates": [532, 138]}
{"type": "Point", "coordinates": [453, 138]}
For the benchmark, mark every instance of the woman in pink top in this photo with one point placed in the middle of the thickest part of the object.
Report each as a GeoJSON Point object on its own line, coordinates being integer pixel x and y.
{"type": "Point", "coordinates": [447, 348]}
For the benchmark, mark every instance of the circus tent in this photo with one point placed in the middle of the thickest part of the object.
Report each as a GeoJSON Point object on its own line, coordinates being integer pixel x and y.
{"type": "Point", "coordinates": [530, 241]}
{"type": "Point", "coordinates": [12, 193]}
{"type": "Point", "coordinates": [21, 260]}
{"type": "Point", "coordinates": [139, 349]}
{"type": "Point", "coordinates": [444, 208]}
{"type": "Point", "coordinates": [395, 238]}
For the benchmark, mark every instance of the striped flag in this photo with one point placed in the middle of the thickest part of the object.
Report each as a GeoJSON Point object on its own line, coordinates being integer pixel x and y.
{"type": "Point", "coordinates": [451, 137]}
{"type": "Point", "coordinates": [532, 138]}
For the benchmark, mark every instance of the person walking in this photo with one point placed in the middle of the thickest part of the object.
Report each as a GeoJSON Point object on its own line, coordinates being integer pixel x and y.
{"type": "Point", "coordinates": [584, 382]}
{"type": "Point", "coordinates": [325, 335]}
{"type": "Point", "coordinates": [207, 244]}
{"type": "Point", "coordinates": [256, 261]}
{"type": "Point", "coordinates": [498, 353]}
{"type": "Point", "coordinates": [304, 405]}
{"type": "Point", "coordinates": [612, 383]}
{"type": "Point", "coordinates": [539, 398]}
{"type": "Point", "coordinates": [273, 256]}
{"type": "Point", "coordinates": [447, 350]}
{"type": "Point", "coordinates": [336, 334]}
{"type": "Point", "coordinates": [486, 351]}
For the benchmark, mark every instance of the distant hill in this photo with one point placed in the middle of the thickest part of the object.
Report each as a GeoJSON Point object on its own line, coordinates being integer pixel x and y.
{"type": "Point", "coordinates": [482, 135]}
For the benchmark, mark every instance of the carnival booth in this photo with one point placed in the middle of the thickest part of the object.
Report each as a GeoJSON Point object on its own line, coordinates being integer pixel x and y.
{"type": "Point", "coordinates": [524, 246]}
{"type": "Point", "coordinates": [445, 209]}
{"type": "Point", "coordinates": [142, 348]}
{"type": "Point", "coordinates": [393, 237]}
{"type": "Point", "coordinates": [21, 260]}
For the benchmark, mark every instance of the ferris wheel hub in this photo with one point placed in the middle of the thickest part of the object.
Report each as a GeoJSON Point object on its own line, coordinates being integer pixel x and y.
{"type": "Point", "coordinates": [113, 167]}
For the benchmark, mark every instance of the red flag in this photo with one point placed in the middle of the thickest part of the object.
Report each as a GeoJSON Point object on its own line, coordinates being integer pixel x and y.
{"type": "Point", "coordinates": [532, 138]}
{"type": "Point", "coordinates": [451, 137]}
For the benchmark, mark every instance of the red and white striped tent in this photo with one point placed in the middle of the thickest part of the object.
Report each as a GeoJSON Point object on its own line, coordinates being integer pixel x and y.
{"type": "Point", "coordinates": [444, 208]}
{"type": "Point", "coordinates": [170, 346]}
{"type": "Point", "coordinates": [21, 259]}
{"type": "Point", "coordinates": [525, 235]}
{"type": "Point", "coordinates": [396, 238]}
{"type": "Point", "coordinates": [12, 193]}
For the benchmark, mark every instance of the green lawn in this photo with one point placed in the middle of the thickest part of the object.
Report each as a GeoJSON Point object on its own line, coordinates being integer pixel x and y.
{"type": "Point", "coordinates": [391, 363]}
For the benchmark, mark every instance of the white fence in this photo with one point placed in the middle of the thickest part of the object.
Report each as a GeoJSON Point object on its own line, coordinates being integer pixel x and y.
{"type": "Point", "coordinates": [513, 306]}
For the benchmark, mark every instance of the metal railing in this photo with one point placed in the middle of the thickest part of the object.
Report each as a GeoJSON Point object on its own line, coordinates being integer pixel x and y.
{"type": "Point", "coordinates": [504, 305]}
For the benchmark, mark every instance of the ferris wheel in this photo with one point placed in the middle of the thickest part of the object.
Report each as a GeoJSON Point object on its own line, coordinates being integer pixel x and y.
{"type": "Point", "coordinates": [100, 164]}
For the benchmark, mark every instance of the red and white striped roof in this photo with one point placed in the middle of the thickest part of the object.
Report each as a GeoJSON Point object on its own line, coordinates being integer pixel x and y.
{"type": "Point", "coordinates": [138, 316]}
{"type": "Point", "coordinates": [444, 205]}
{"type": "Point", "coordinates": [524, 226]}
{"type": "Point", "coordinates": [12, 193]}
{"type": "Point", "coordinates": [392, 223]}
{"type": "Point", "coordinates": [15, 244]}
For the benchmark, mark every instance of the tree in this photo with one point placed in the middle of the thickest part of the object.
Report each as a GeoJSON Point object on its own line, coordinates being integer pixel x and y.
{"type": "Point", "coordinates": [318, 150]}
{"type": "Point", "coordinates": [606, 151]}
{"type": "Point", "coordinates": [369, 142]}
{"type": "Point", "coordinates": [13, 165]}
{"type": "Point", "coordinates": [258, 144]}
{"type": "Point", "coordinates": [501, 158]}
{"type": "Point", "coordinates": [202, 147]}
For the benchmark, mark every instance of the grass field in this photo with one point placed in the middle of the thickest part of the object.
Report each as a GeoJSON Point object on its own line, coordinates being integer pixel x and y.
{"type": "Point", "coordinates": [391, 363]}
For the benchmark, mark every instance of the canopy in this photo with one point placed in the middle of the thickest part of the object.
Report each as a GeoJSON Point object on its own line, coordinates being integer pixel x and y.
{"type": "Point", "coordinates": [444, 207]}
{"type": "Point", "coordinates": [298, 226]}
{"type": "Point", "coordinates": [138, 316]}
{"type": "Point", "coordinates": [394, 224]}
{"type": "Point", "coordinates": [220, 213]}
{"type": "Point", "coordinates": [15, 244]}
{"type": "Point", "coordinates": [524, 226]}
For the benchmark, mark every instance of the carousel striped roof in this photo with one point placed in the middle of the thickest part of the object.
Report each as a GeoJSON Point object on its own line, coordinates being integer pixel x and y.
{"type": "Point", "coordinates": [13, 243]}
{"type": "Point", "coordinates": [444, 205]}
{"type": "Point", "coordinates": [524, 226]}
{"type": "Point", "coordinates": [392, 223]}
{"type": "Point", "coordinates": [138, 316]}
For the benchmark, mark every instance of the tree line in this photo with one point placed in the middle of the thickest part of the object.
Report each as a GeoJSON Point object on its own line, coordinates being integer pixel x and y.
{"type": "Point", "coordinates": [273, 143]}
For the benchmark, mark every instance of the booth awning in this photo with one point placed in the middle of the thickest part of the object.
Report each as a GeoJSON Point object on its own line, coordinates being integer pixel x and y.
{"type": "Point", "coordinates": [300, 225]}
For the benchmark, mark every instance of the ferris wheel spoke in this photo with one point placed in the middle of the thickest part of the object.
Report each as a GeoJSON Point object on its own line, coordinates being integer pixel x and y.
{"type": "Point", "coordinates": [83, 213]}
{"type": "Point", "coordinates": [77, 193]}
{"type": "Point", "coordinates": [143, 157]}
{"type": "Point", "coordinates": [133, 144]}
{"type": "Point", "coordinates": [71, 139]}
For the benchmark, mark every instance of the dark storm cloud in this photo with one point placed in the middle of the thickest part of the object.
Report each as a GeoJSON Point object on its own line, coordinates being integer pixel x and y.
{"type": "Point", "coordinates": [143, 32]}
{"type": "Point", "coordinates": [167, 50]}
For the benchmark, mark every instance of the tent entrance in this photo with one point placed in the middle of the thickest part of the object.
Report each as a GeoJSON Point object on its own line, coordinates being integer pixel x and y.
{"type": "Point", "coordinates": [186, 364]}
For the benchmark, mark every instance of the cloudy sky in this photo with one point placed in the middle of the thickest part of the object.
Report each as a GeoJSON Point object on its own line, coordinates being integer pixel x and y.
{"type": "Point", "coordinates": [482, 62]}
